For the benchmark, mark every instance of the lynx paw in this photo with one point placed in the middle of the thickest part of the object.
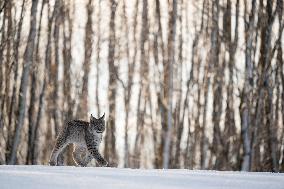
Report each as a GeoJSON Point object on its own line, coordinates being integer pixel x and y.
{"type": "Point", "coordinates": [52, 163]}
{"type": "Point", "coordinates": [82, 165]}
{"type": "Point", "coordinates": [104, 163]}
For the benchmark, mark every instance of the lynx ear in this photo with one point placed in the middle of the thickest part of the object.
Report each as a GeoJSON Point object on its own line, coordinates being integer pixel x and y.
{"type": "Point", "coordinates": [92, 117]}
{"type": "Point", "coordinates": [102, 116]}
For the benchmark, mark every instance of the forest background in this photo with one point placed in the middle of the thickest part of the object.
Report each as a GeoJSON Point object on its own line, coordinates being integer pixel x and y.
{"type": "Point", "coordinates": [184, 84]}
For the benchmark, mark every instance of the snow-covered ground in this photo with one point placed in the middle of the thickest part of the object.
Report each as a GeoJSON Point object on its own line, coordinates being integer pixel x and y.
{"type": "Point", "coordinates": [14, 177]}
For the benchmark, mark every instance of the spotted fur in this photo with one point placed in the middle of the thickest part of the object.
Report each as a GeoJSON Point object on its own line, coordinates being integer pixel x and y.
{"type": "Point", "coordinates": [86, 137]}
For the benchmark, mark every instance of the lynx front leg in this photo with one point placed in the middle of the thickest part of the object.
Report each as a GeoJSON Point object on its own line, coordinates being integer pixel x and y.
{"type": "Point", "coordinates": [95, 153]}
{"type": "Point", "coordinates": [59, 146]}
{"type": "Point", "coordinates": [93, 150]}
{"type": "Point", "coordinates": [87, 159]}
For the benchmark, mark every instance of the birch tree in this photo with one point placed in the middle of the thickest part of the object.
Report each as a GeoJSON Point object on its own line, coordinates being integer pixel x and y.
{"type": "Point", "coordinates": [110, 148]}
{"type": "Point", "coordinates": [28, 59]}
{"type": "Point", "coordinates": [169, 82]}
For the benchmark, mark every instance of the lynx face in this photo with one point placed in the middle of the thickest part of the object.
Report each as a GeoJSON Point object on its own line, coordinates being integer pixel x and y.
{"type": "Point", "coordinates": [97, 125]}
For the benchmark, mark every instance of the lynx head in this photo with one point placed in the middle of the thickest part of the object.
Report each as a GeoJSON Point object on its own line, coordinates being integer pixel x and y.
{"type": "Point", "coordinates": [97, 125]}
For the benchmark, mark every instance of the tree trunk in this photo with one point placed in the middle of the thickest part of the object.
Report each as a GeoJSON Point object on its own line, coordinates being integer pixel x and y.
{"type": "Point", "coordinates": [28, 59]}
{"type": "Point", "coordinates": [130, 75]}
{"type": "Point", "coordinates": [83, 104]}
{"type": "Point", "coordinates": [98, 48]}
{"type": "Point", "coordinates": [14, 90]}
{"type": "Point", "coordinates": [32, 108]}
{"type": "Point", "coordinates": [247, 92]}
{"type": "Point", "coordinates": [169, 82]}
{"type": "Point", "coordinates": [217, 144]}
{"type": "Point", "coordinates": [110, 148]}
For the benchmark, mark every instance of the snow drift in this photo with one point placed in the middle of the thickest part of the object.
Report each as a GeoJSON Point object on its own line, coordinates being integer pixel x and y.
{"type": "Point", "coordinates": [14, 177]}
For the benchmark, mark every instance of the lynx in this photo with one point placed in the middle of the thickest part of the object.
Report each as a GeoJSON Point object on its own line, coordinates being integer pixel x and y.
{"type": "Point", "coordinates": [86, 137]}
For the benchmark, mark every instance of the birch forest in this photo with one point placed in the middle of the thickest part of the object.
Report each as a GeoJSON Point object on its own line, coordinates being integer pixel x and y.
{"type": "Point", "coordinates": [191, 84]}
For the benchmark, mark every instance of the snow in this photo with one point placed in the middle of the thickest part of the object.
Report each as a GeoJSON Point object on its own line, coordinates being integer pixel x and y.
{"type": "Point", "coordinates": [14, 177]}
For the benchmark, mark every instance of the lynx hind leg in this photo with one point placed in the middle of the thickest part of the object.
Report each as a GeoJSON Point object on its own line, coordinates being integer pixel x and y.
{"type": "Point", "coordinates": [60, 144]}
{"type": "Point", "coordinates": [81, 156]}
{"type": "Point", "coordinates": [60, 158]}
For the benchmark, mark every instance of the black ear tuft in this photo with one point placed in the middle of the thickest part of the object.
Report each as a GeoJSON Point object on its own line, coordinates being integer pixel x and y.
{"type": "Point", "coordinates": [102, 116]}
